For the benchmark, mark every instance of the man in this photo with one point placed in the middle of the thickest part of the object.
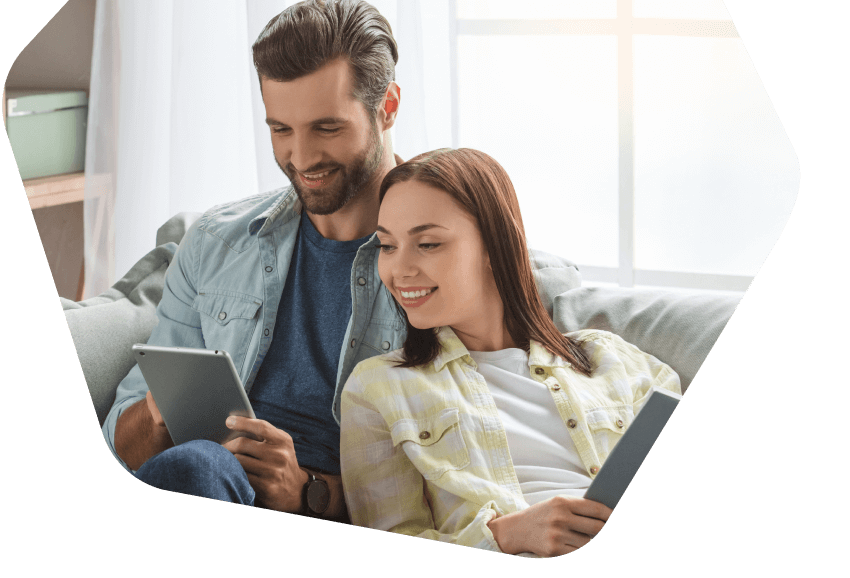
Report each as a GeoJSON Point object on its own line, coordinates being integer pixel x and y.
{"type": "Point", "coordinates": [287, 281]}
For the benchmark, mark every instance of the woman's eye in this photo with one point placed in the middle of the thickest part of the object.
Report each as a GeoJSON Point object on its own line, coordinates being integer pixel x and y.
{"type": "Point", "coordinates": [428, 246]}
{"type": "Point", "coordinates": [385, 248]}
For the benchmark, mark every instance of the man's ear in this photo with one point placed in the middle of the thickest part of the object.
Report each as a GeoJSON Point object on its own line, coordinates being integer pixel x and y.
{"type": "Point", "coordinates": [388, 110]}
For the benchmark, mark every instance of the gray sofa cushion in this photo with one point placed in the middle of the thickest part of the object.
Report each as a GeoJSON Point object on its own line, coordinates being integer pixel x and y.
{"type": "Point", "coordinates": [104, 328]}
{"type": "Point", "coordinates": [677, 327]}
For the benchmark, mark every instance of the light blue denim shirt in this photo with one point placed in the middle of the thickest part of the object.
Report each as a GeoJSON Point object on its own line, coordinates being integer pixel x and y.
{"type": "Point", "coordinates": [224, 285]}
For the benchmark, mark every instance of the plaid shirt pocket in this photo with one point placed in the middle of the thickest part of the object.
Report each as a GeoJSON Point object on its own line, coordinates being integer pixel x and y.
{"type": "Point", "coordinates": [434, 444]}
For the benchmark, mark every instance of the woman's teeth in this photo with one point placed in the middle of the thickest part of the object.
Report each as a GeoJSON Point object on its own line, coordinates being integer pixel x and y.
{"type": "Point", "coordinates": [416, 294]}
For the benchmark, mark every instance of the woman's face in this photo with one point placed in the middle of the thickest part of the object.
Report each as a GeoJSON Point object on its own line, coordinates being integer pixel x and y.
{"type": "Point", "coordinates": [434, 262]}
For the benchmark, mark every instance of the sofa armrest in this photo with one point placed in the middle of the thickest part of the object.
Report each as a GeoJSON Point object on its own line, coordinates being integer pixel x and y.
{"type": "Point", "coordinates": [677, 327]}
{"type": "Point", "coordinates": [104, 328]}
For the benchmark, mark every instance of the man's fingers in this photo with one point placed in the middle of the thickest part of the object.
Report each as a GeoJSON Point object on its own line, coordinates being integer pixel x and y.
{"type": "Point", "coordinates": [260, 429]}
{"type": "Point", "coordinates": [250, 464]}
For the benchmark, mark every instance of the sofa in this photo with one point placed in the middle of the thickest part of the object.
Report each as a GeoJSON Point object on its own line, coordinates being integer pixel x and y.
{"type": "Point", "coordinates": [678, 327]}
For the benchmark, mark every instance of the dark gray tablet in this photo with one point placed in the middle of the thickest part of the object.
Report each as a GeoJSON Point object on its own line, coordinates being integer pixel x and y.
{"type": "Point", "coordinates": [627, 456]}
{"type": "Point", "coordinates": [195, 390]}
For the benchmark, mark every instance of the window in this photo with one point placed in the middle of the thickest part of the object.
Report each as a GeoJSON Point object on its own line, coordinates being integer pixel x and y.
{"type": "Point", "coordinates": [643, 122]}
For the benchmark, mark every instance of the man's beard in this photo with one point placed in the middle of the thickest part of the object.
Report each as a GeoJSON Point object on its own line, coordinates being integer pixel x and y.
{"type": "Point", "coordinates": [351, 181]}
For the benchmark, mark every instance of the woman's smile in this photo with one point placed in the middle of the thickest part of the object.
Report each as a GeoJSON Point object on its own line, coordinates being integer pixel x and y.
{"type": "Point", "coordinates": [414, 296]}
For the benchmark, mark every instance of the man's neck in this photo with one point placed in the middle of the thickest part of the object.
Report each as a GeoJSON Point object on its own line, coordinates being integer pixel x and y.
{"type": "Point", "coordinates": [359, 218]}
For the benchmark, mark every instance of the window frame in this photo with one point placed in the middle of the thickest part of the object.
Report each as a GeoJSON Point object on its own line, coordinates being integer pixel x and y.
{"type": "Point", "coordinates": [624, 27]}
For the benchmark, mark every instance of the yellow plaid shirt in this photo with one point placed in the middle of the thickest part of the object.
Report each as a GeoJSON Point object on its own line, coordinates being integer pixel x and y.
{"type": "Point", "coordinates": [423, 450]}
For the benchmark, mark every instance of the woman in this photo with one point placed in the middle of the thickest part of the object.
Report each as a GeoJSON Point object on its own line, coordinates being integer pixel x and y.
{"type": "Point", "coordinates": [488, 425]}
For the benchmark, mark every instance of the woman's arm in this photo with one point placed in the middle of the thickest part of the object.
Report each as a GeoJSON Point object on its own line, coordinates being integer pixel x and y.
{"type": "Point", "coordinates": [553, 527]}
{"type": "Point", "coordinates": [384, 490]}
{"type": "Point", "coordinates": [648, 371]}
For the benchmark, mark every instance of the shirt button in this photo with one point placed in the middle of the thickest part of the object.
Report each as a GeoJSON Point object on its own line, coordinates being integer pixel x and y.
{"type": "Point", "coordinates": [594, 470]}
{"type": "Point", "coordinates": [556, 387]}
{"type": "Point", "coordinates": [266, 332]}
{"type": "Point", "coordinates": [619, 423]}
{"type": "Point", "coordinates": [424, 435]}
{"type": "Point", "coordinates": [353, 342]}
{"type": "Point", "coordinates": [222, 315]}
{"type": "Point", "coordinates": [385, 345]}
{"type": "Point", "coordinates": [571, 423]}
{"type": "Point", "coordinates": [539, 371]}
{"type": "Point", "coordinates": [361, 281]}
{"type": "Point", "coordinates": [269, 269]}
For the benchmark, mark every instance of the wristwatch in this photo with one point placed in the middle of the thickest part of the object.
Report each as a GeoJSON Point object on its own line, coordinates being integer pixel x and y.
{"type": "Point", "coordinates": [316, 496]}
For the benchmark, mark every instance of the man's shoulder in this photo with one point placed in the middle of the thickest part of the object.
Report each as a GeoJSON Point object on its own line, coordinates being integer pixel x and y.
{"type": "Point", "coordinates": [230, 221]}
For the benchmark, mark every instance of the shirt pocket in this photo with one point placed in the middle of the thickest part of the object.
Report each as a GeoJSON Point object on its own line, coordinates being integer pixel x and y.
{"type": "Point", "coordinates": [228, 321]}
{"type": "Point", "coordinates": [607, 425]}
{"type": "Point", "coordinates": [434, 444]}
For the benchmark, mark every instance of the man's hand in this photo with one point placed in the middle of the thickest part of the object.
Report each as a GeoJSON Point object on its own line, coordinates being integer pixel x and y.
{"type": "Point", "coordinates": [154, 411]}
{"type": "Point", "coordinates": [271, 464]}
{"type": "Point", "coordinates": [553, 527]}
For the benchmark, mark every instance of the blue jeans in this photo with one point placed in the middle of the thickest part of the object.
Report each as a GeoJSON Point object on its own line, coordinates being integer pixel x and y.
{"type": "Point", "coordinates": [199, 468]}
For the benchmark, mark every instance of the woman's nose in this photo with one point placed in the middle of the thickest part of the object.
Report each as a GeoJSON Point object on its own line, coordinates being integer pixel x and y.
{"type": "Point", "coordinates": [405, 265]}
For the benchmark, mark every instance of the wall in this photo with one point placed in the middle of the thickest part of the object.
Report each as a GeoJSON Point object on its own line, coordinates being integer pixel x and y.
{"type": "Point", "coordinates": [60, 57]}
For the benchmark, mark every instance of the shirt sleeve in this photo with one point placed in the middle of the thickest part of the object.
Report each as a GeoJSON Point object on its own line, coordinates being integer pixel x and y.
{"type": "Point", "coordinates": [178, 324]}
{"type": "Point", "coordinates": [651, 372]}
{"type": "Point", "coordinates": [384, 490]}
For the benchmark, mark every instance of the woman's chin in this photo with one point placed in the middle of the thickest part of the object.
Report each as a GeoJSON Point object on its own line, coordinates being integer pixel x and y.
{"type": "Point", "coordinates": [421, 324]}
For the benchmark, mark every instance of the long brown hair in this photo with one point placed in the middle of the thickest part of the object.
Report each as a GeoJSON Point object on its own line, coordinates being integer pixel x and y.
{"type": "Point", "coordinates": [483, 188]}
{"type": "Point", "coordinates": [307, 35]}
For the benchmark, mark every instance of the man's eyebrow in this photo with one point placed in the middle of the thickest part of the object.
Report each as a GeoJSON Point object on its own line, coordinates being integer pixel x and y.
{"type": "Point", "coordinates": [317, 122]}
{"type": "Point", "coordinates": [414, 230]}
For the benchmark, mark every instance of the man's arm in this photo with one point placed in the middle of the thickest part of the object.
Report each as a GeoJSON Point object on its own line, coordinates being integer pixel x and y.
{"type": "Point", "coordinates": [140, 433]}
{"type": "Point", "coordinates": [273, 471]}
{"type": "Point", "coordinates": [178, 324]}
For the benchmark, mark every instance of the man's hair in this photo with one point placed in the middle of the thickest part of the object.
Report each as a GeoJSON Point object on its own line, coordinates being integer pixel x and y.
{"type": "Point", "coordinates": [482, 187]}
{"type": "Point", "coordinates": [306, 36]}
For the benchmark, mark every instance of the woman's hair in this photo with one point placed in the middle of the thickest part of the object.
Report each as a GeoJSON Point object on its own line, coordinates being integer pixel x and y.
{"type": "Point", "coordinates": [306, 36]}
{"type": "Point", "coordinates": [482, 187]}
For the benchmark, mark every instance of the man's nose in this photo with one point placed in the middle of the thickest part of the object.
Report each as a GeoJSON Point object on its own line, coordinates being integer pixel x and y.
{"type": "Point", "coordinates": [304, 154]}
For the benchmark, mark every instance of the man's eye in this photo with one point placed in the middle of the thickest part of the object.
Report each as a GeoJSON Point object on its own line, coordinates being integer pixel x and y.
{"type": "Point", "coordinates": [279, 129]}
{"type": "Point", "coordinates": [328, 130]}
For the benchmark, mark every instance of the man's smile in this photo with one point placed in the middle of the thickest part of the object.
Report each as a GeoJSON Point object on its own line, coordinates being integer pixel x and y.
{"type": "Point", "coordinates": [314, 180]}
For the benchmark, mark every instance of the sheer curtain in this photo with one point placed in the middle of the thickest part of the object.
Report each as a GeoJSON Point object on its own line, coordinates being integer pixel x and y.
{"type": "Point", "coordinates": [176, 120]}
{"type": "Point", "coordinates": [170, 124]}
{"type": "Point", "coordinates": [177, 124]}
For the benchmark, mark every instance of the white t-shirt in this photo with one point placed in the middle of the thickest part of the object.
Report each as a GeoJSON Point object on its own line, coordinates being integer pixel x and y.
{"type": "Point", "coordinates": [545, 458]}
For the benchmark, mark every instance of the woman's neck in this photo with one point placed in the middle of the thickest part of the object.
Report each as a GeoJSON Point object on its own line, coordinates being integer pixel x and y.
{"type": "Point", "coordinates": [481, 339]}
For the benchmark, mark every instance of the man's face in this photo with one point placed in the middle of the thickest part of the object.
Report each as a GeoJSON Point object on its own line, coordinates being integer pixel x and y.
{"type": "Point", "coordinates": [323, 138]}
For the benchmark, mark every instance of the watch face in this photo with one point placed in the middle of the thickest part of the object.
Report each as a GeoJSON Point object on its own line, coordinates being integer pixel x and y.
{"type": "Point", "coordinates": [318, 496]}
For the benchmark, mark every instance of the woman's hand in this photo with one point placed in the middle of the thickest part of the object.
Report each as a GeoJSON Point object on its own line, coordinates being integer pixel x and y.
{"type": "Point", "coordinates": [553, 527]}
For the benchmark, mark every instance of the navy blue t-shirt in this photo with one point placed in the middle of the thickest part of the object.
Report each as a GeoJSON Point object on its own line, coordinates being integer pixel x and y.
{"type": "Point", "coordinates": [295, 385]}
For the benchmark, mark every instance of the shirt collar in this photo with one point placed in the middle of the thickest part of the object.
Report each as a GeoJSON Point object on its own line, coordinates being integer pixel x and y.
{"type": "Point", "coordinates": [451, 348]}
{"type": "Point", "coordinates": [289, 203]}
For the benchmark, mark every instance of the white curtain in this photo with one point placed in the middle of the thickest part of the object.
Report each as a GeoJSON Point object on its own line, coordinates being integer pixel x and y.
{"type": "Point", "coordinates": [176, 121]}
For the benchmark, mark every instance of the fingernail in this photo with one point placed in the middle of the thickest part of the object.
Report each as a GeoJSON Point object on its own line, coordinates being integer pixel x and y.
{"type": "Point", "coordinates": [231, 421]}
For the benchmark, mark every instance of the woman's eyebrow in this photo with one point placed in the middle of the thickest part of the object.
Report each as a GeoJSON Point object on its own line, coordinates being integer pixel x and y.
{"type": "Point", "coordinates": [414, 230]}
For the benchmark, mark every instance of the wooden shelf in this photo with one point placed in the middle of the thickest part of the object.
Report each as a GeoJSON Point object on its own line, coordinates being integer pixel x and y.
{"type": "Point", "coordinates": [56, 190]}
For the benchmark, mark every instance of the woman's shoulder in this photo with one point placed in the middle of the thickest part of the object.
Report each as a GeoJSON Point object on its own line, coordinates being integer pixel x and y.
{"type": "Point", "coordinates": [383, 363]}
{"type": "Point", "coordinates": [592, 336]}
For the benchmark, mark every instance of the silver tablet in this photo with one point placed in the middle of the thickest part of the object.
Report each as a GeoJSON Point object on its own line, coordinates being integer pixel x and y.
{"type": "Point", "coordinates": [624, 460]}
{"type": "Point", "coordinates": [195, 390]}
